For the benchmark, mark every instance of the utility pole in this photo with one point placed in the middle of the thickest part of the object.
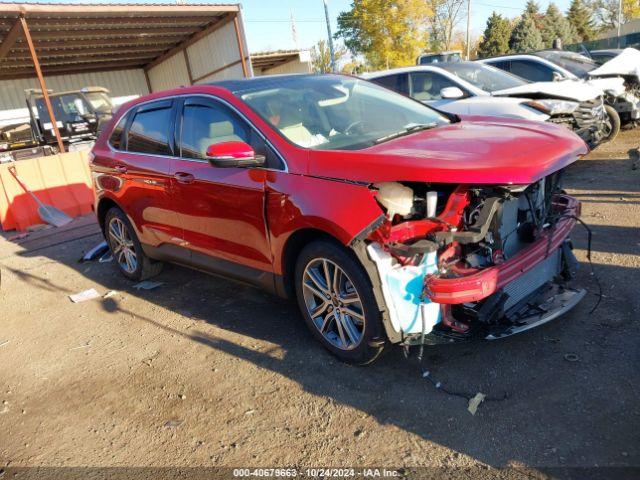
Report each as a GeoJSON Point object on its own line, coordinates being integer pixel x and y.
{"type": "Point", "coordinates": [331, 52]}
{"type": "Point", "coordinates": [619, 21]}
{"type": "Point", "coordinates": [468, 29]}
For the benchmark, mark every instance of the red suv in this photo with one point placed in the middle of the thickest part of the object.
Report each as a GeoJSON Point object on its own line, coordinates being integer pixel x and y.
{"type": "Point", "coordinates": [388, 221]}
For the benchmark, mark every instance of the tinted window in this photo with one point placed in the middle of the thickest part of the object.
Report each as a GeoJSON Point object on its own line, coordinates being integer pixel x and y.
{"type": "Point", "coordinates": [397, 83]}
{"type": "Point", "coordinates": [205, 123]}
{"type": "Point", "coordinates": [426, 86]}
{"type": "Point", "coordinates": [149, 131]}
{"type": "Point", "coordinates": [502, 65]}
{"type": "Point", "coordinates": [531, 71]}
{"type": "Point", "coordinates": [116, 136]}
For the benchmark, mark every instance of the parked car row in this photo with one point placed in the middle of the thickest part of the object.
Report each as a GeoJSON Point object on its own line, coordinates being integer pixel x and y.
{"type": "Point", "coordinates": [555, 86]}
{"type": "Point", "coordinates": [388, 221]}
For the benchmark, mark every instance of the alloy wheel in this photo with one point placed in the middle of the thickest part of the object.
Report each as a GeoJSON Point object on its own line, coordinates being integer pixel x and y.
{"type": "Point", "coordinates": [333, 303]}
{"type": "Point", "coordinates": [122, 246]}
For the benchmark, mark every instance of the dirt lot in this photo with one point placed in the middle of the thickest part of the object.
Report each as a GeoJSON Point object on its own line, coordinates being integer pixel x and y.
{"type": "Point", "coordinates": [202, 371]}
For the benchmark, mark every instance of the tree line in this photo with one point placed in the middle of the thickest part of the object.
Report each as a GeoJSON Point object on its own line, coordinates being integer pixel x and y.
{"type": "Point", "coordinates": [392, 33]}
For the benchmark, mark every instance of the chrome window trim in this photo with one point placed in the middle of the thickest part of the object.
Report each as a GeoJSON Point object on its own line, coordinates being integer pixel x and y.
{"type": "Point", "coordinates": [205, 95]}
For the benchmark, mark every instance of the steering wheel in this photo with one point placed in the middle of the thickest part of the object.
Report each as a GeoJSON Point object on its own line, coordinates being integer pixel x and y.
{"type": "Point", "coordinates": [352, 125]}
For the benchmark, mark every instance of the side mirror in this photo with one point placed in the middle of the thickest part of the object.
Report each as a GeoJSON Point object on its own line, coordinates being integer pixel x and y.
{"type": "Point", "coordinates": [557, 76]}
{"type": "Point", "coordinates": [233, 154]}
{"type": "Point", "coordinates": [451, 93]}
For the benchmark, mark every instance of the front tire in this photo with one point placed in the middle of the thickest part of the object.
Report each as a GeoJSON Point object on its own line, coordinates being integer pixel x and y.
{"type": "Point", "coordinates": [126, 249]}
{"type": "Point", "coordinates": [336, 299]}
{"type": "Point", "coordinates": [614, 121]}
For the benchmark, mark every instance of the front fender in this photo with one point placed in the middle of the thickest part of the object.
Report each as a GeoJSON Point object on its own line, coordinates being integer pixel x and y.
{"type": "Point", "coordinates": [340, 209]}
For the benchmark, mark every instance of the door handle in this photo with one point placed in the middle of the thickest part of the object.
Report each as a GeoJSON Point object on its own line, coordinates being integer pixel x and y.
{"type": "Point", "coordinates": [183, 177]}
{"type": "Point", "coordinates": [121, 169]}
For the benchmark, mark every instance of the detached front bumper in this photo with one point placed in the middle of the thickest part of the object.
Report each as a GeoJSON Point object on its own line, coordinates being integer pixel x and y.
{"type": "Point", "coordinates": [480, 285]}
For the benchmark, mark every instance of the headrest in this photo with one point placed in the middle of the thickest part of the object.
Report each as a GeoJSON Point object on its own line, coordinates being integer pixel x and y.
{"type": "Point", "coordinates": [220, 129]}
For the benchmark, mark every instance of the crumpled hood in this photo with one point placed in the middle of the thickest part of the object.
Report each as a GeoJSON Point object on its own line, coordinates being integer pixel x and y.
{"type": "Point", "coordinates": [477, 150]}
{"type": "Point", "coordinates": [576, 90]}
{"type": "Point", "coordinates": [627, 63]}
{"type": "Point", "coordinates": [612, 84]}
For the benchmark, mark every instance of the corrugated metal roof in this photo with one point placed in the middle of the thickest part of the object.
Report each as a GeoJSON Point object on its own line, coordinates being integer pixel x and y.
{"type": "Point", "coordinates": [81, 37]}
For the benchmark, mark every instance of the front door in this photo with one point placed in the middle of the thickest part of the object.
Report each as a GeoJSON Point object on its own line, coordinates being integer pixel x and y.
{"type": "Point", "coordinates": [221, 210]}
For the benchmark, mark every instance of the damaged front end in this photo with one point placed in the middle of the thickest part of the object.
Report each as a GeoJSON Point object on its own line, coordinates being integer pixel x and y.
{"type": "Point", "coordinates": [459, 262]}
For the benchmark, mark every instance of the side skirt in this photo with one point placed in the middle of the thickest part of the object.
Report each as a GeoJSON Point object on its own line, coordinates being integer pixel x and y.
{"type": "Point", "coordinates": [267, 281]}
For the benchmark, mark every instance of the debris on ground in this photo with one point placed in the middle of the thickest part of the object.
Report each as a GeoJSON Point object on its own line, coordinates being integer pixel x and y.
{"type": "Point", "coordinates": [634, 155]}
{"type": "Point", "coordinates": [107, 257]}
{"type": "Point", "coordinates": [2, 344]}
{"type": "Point", "coordinates": [19, 236]}
{"type": "Point", "coordinates": [571, 357]}
{"type": "Point", "coordinates": [110, 294]}
{"type": "Point", "coordinates": [84, 296]}
{"type": "Point", "coordinates": [96, 252]}
{"type": "Point", "coordinates": [84, 345]}
{"type": "Point", "coordinates": [173, 423]}
{"type": "Point", "coordinates": [147, 285]}
{"type": "Point", "coordinates": [475, 402]}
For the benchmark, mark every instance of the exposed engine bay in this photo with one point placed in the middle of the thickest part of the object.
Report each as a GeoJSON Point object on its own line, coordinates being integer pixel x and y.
{"type": "Point", "coordinates": [456, 262]}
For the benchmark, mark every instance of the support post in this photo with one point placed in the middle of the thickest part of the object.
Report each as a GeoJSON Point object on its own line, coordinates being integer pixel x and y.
{"type": "Point", "coordinates": [43, 85]}
{"type": "Point", "coordinates": [236, 25]}
{"type": "Point", "coordinates": [9, 40]}
{"type": "Point", "coordinates": [468, 30]}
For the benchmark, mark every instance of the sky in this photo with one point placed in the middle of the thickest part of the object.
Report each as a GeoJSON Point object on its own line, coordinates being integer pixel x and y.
{"type": "Point", "coordinates": [268, 22]}
{"type": "Point", "coordinates": [269, 27]}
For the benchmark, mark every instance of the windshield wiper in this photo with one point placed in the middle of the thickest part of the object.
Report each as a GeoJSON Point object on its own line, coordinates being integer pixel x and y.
{"type": "Point", "coordinates": [416, 127]}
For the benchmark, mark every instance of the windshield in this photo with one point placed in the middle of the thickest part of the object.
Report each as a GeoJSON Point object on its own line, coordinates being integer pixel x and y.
{"type": "Point", "coordinates": [100, 101]}
{"type": "Point", "coordinates": [69, 107]}
{"type": "Point", "coordinates": [439, 57]}
{"type": "Point", "coordinates": [484, 77]}
{"type": "Point", "coordinates": [577, 64]}
{"type": "Point", "coordinates": [330, 112]}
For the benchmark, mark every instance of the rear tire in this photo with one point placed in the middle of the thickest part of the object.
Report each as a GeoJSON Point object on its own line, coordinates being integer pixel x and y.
{"type": "Point", "coordinates": [336, 299]}
{"type": "Point", "coordinates": [126, 248]}
{"type": "Point", "coordinates": [614, 119]}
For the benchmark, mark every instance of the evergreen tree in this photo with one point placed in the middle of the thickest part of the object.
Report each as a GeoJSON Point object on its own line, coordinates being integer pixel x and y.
{"type": "Point", "coordinates": [533, 10]}
{"type": "Point", "coordinates": [581, 19]}
{"type": "Point", "coordinates": [495, 40]}
{"type": "Point", "coordinates": [525, 37]}
{"type": "Point", "coordinates": [554, 25]}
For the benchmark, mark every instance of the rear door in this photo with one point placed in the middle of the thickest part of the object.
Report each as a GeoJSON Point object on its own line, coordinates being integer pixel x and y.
{"type": "Point", "coordinates": [221, 210]}
{"type": "Point", "coordinates": [142, 161]}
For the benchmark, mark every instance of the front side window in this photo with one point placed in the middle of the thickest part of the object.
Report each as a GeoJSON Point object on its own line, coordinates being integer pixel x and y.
{"type": "Point", "coordinates": [100, 101]}
{"type": "Point", "coordinates": [207, 122]}
{"type": "Point", "coordinates": [532, 71]}
{"type": "Point", "coordinates": [204, 125]}
{"type": "Point", "coordinates": [149, 131]}
{"type": "Point", "coordinates": [426, 86]}
{"type": "Point", "coordinates": [332, 112]}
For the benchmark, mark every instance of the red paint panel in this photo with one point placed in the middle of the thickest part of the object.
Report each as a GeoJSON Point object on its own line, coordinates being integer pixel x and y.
{"type": "Point", "coordinates": [294, 202]}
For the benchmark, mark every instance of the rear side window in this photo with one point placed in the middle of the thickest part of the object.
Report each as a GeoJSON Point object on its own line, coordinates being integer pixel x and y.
{"type": "Point", "coordinates": [149, 130]}
{"type": "Point", "coordinates": [531, 71]}
{"type": "Point", "coordinates": [115, 140]}
{"type": "Point", "coordinates": [398, 82]}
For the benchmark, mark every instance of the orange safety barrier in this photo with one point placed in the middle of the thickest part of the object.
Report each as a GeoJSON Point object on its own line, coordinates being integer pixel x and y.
{"type": "Point", "coordinates": [62, 181]}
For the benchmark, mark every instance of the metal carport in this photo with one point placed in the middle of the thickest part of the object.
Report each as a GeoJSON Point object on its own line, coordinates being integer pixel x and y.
{"type": "Point", "coordinates": [139, 48]}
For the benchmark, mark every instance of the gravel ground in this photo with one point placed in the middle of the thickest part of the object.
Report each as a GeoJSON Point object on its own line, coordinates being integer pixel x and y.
{"type": "Point", "coordinates": [202, 371]}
